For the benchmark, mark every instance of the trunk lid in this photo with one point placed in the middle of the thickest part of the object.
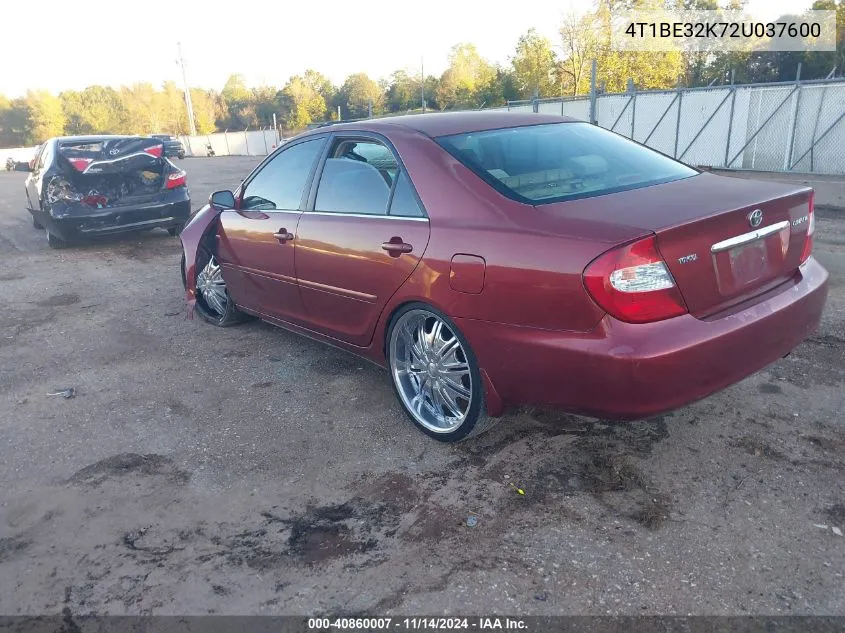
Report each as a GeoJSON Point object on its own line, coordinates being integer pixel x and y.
{"type": "Point", "coordinates": [113, 155]}
{"type": "Point", "coordinates": [725, 240]}
{"type": "Point", "coordinates": [110, 172]}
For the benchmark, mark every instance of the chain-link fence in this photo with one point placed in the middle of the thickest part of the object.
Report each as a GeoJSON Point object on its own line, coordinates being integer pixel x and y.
{"type": "Point", "coordinates": [796, 126]}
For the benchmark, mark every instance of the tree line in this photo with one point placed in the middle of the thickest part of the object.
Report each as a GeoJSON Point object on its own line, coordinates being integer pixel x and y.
{"type": "Point", "coordinates": [538, 67]}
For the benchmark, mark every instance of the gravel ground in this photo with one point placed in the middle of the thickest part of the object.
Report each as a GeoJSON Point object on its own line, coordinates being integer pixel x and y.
{"type": "Point", "coordinates": [251, 471]}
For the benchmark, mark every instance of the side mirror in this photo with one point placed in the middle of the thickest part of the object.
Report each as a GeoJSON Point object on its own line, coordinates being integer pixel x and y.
{"type": "Point", "coordinates": [222, 199]}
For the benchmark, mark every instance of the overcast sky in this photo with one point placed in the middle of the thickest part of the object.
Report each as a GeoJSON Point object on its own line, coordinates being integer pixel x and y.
{"type": "Point", "coordinates": [71, 44]}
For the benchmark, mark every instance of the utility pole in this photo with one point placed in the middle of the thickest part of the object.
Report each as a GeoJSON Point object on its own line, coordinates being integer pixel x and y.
{"type": "Point", "coordinates": [422, 85]}
{"type": "Point", "coordinates": [188, 103]}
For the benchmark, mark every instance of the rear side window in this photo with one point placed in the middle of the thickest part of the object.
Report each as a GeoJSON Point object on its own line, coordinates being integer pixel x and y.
{"type": "Point", "coordinates": [404, 201]}
{"type": "Point", "coordinates": [560, 161]}
{"type": "Point", "coordinates": [46, 155]}
{"type": "Point", "coordinates": [281, 182]}
{"type": "Point", "coordinates": [38, 152]}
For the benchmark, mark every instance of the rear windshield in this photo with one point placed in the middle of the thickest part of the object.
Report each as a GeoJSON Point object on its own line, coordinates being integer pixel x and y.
{"type": "Point", "coordinates": [83, 146]}
{"type": "Point", "coordinates": [561, 161]}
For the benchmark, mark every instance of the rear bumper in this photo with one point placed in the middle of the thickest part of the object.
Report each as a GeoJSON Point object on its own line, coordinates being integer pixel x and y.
{"type": "Point", "coordinates": [82, 221]}
{"type": "Point", "coordinates": [631, 371]}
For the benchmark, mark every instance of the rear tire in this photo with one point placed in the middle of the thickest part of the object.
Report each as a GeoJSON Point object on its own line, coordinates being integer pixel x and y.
{"type": "Point", "coordinates": [214, 303]}
{"type": "Point", "coordinates": [173, 231]}
{"type": "Point", "coordinates": [53, 241]}
{"type": "Point", "coordinates": [435, 375]}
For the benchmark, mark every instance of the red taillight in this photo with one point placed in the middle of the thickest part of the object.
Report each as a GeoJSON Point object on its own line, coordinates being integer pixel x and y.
{"type": "Point", "coordinates": [80, 164]}
{"type": "Point", "coordinates": [633, 284]}
{"type": "Point", "coordinates": [176, 179]}
{"type": "Point", "coordinates": [811, 228]}
{"type": "Point", "coordinates": [155, 150]}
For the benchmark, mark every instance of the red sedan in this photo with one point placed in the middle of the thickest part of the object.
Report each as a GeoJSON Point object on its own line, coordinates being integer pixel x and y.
{"type": "Point", "coordinates": [493, 259]}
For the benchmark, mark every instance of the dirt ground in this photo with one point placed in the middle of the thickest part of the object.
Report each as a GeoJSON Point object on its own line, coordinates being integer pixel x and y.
{"type": "Point", "coordinates": [251, 471]}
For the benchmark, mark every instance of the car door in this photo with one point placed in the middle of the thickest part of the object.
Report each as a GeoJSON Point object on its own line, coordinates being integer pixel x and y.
{"type": "Point", "coordinates": [360, 239]}
{"type": "Point", "coordinates": [255, 241]}
{"type": "Point", "coordinates": [34, 179]}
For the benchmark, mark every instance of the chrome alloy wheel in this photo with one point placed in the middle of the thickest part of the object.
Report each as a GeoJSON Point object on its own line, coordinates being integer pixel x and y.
{"type": "Point", "coordinates": [212, 288]}
{"type": "Point", "coordinates": [431, 371]}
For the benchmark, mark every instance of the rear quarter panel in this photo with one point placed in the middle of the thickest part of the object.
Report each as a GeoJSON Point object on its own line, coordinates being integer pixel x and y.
{"type": "Point", "coordinates": [534, 260]}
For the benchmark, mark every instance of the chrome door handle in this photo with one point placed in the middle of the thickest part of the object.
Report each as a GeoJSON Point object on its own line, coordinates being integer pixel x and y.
{"type": "Point", "coordinates": [283, 235]}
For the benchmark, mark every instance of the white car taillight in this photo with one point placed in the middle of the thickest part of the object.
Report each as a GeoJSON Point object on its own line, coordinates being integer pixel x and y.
{"type": "Point", "coordinates": [642, 278]}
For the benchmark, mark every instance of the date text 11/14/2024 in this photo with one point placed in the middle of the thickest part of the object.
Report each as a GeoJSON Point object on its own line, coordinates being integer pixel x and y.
{"type": "Point", "coordinates": [417, 624]}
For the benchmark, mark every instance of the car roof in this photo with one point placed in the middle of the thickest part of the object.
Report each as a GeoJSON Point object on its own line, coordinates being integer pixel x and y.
{"type": "Point", "coordinates": [446, 123]}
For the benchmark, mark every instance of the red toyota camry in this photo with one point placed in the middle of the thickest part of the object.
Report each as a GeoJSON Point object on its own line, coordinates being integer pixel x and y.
{"type": "Point", "coordinates": [492, 259]}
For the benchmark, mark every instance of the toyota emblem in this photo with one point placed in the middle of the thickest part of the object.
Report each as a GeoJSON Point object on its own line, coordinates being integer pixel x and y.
{"type": "Point", "coordinates": [755, 218]}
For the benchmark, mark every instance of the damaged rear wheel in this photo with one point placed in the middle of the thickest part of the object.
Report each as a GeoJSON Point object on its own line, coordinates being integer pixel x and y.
{"type": "Point", "coordinates": [213, 301]}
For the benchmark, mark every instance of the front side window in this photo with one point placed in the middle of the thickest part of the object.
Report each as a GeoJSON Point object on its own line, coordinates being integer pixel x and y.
{"type": "Point", "coordinates": [358, 177]}
{"type": "Point", "coordinates": [559, 161]}
{"type": "Point", "coordinates": [281, 182]}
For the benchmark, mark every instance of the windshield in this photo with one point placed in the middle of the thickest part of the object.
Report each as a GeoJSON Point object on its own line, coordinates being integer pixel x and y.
{"type": "Point", "coordinates": [559, 161]}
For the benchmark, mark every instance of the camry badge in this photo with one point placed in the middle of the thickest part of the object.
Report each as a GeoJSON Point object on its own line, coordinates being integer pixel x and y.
{"type": "Point", "coordinates": [755, 218]}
